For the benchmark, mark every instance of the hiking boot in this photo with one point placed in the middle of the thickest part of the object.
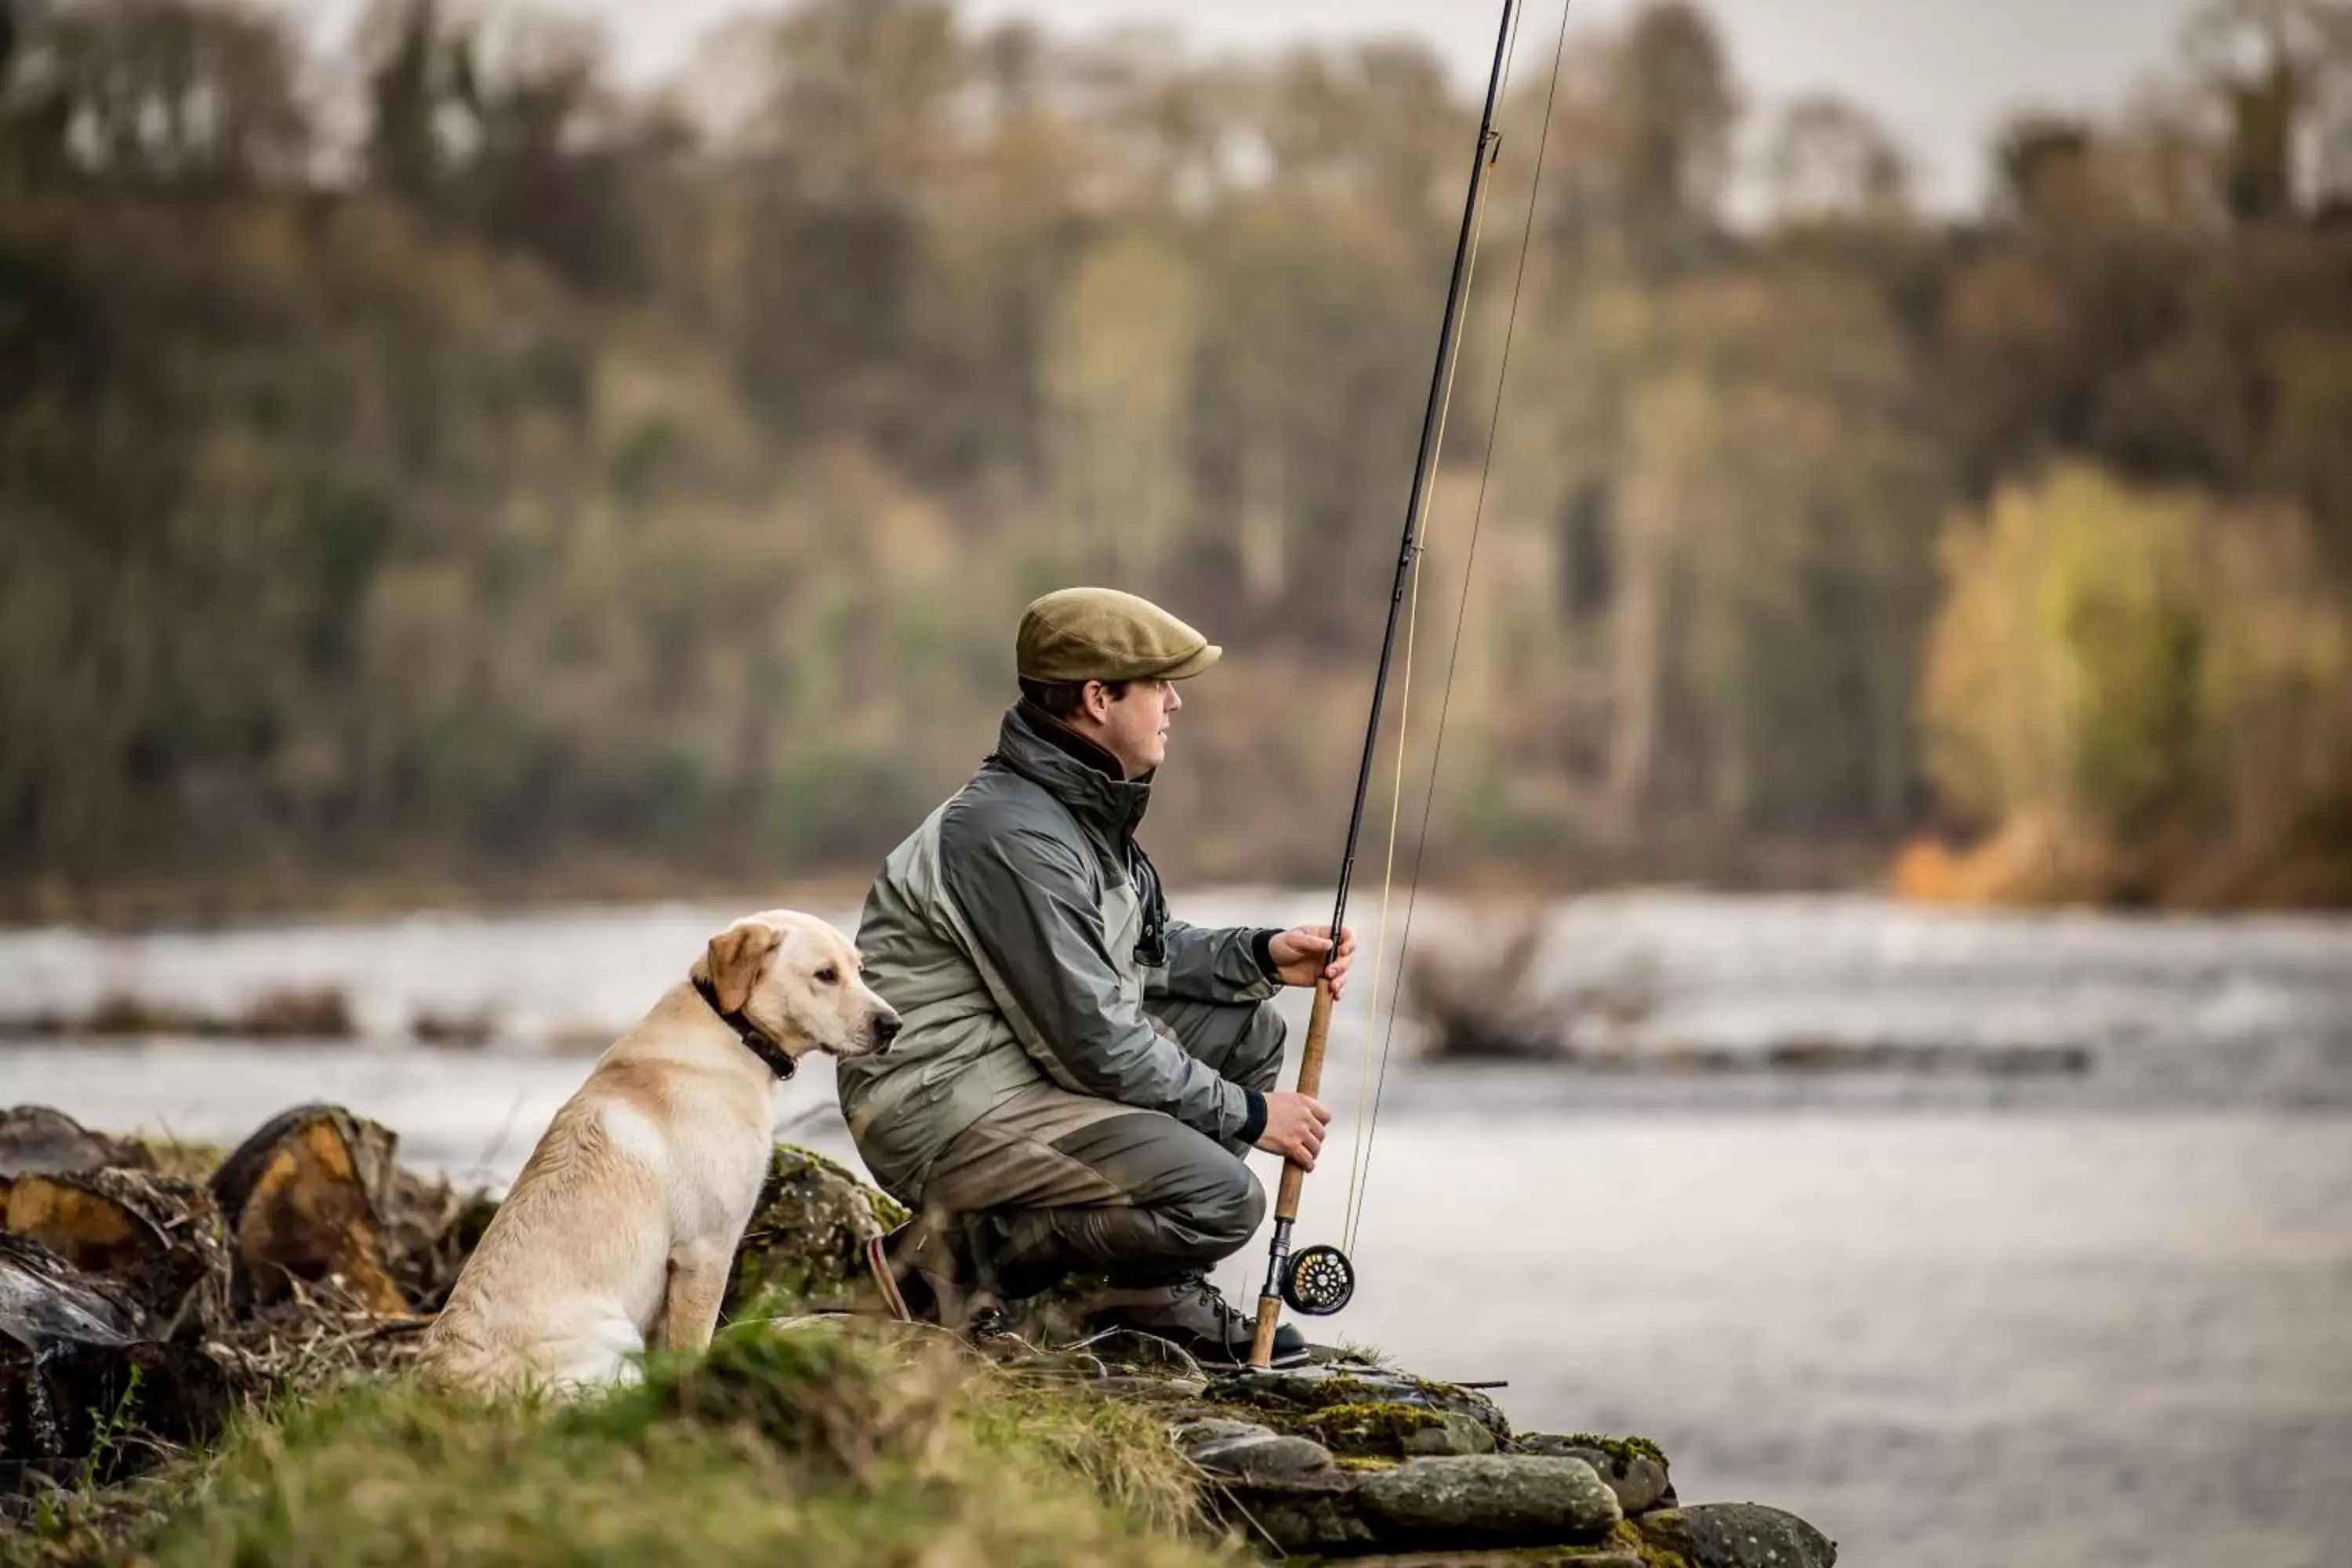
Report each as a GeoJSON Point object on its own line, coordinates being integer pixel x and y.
{"type": "Point", "coordinates": [1195, 1316]}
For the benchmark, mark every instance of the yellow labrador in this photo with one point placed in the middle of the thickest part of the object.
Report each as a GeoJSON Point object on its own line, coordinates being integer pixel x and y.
{"type": "Point", "coordinates": [622, 1229]}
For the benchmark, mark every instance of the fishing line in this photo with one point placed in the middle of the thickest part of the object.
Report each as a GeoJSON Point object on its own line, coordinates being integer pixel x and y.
{"type": "Point", "coordinates": [1366, 1107]}
{"type": "Point", "coordinates": [1318, 1280]}
{"type": "Point", "coordinates": [1368, 1126]}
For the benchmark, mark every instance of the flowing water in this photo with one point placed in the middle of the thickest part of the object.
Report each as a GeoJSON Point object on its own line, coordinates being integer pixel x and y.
{"type": "Point", "coordinates": [2043, 1319]}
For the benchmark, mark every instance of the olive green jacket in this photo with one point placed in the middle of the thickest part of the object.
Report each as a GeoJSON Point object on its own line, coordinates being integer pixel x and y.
{"type": "Point", "coordinates": [1018, 932]}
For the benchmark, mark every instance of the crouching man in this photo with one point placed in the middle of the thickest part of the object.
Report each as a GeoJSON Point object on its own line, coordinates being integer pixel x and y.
{"type": "Point", "coordinates": [1079, 1075]}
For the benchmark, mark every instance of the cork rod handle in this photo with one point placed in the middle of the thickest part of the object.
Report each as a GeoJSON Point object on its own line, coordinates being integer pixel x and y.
{"type": "Point", "coordinates": [1294, 1179]}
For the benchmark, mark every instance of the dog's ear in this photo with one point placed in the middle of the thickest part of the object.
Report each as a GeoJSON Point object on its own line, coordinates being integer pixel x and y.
{"type": "Point", "coordinates": [737, 956]}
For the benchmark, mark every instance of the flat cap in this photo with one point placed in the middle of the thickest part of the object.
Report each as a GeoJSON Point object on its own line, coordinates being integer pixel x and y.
{"type": "Point", "coordinates": [1101, 634]}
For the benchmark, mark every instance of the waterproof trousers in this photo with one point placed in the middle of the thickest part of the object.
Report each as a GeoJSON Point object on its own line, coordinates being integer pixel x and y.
{"type": "Point", "coordinates": [1052, 1182]}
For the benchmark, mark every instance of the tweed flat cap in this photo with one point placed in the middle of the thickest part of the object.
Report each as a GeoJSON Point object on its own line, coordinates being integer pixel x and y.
{"type": "Point", "coordinates": [1101, 634]}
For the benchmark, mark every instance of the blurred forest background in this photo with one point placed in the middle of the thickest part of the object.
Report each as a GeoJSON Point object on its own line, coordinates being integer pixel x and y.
{"type": "Point", "coordinates": [432, 465]}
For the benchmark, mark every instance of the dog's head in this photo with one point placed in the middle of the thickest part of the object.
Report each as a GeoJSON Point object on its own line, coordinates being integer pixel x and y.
{"type": "Point", "coordinates": [797, 979]}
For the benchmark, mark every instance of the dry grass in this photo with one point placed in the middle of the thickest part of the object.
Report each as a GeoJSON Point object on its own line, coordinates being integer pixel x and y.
{"type": "Point", "coordinates": [849, 1444]}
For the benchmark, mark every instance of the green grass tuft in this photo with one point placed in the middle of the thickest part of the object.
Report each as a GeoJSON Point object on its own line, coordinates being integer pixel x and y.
{"type": "Point", "coordinates": [850, 1444]}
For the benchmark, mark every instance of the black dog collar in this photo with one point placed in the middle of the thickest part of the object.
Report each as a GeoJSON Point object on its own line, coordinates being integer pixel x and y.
{"type": "Point", "coordinates": [779, 1060]}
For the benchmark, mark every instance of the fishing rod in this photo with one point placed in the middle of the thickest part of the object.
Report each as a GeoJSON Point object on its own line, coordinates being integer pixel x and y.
{"type": "Point", "coordinates": [1319, 1280]}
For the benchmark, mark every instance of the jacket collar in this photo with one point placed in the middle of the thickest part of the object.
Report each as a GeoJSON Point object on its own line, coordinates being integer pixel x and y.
{"type": "Point", "coordinates": [1073, 770]}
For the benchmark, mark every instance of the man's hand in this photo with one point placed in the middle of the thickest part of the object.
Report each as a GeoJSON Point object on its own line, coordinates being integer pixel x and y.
{"type": "Point", "coordinates": [1294, 1127]}
{"type": "Point", "coordinates": [1302, 956]}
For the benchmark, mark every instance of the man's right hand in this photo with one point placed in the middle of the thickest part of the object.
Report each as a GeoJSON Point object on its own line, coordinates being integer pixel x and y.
{"type": "Point", "coordinates": [1294, 1127]}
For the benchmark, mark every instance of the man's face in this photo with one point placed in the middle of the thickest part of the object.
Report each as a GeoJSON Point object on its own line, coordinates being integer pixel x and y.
{"type": "Point", "coordinates": [1133, 726]}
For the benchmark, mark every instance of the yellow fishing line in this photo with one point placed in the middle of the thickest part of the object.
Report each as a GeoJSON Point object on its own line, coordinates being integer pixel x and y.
{"type": "Point", "coordinates": [1367, 1109]}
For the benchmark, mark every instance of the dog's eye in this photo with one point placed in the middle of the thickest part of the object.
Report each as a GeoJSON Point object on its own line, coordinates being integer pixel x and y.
{"type": "Point", "coordinates": [828, 976]}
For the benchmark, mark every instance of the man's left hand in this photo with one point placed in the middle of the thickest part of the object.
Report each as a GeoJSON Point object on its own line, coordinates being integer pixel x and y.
{"type": "Point", "coordinates": [1302, 956]}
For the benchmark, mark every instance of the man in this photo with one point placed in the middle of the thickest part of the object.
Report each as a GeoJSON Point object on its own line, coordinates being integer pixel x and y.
{"type": "Point", "coordinates": [1079, 1075]}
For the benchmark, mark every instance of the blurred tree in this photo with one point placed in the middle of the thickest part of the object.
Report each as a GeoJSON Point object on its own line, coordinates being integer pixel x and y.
{"type": "Point", "coordinates": [1671, 95]}
{"type": "Point", "coordinates": [1829, 159]}
{"type": "Point", "coordinates": [2281, 72]}
{"type": "Point", "coordinates": [1117, 379]}
{"type": "Point", "coordinates": [2046, 169]}
{"type": "Point", "coordinates": [407, 83]}
{"type": "Point", "coordinates": [170, 91]}
{"type": "Point", "coordinates": [2148, 687]}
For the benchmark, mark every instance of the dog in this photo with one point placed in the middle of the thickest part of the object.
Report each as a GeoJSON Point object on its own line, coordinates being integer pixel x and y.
{"type": "Point", "coordinates": [620, 1232]}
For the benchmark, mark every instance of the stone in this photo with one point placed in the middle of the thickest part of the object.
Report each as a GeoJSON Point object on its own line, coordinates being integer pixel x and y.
{"type": "Point", "coordinates": [1354, 1409]}
{"type": "Point", "coordinates": [1452, 1434]}
{"type": "Point", "coordinates": [1737, 1535]}
{"type": "Point", "coordinates": [1190, 1433]}
{"type": "Point", "coordinates": [1634, 1468]}
{"type": "Point", "coordinates": [1490, 1499]}
{"type": "Point", "coordinates": [1324, 1522]}
{"type": "Point", "coordinates": [1523, 1557]}
{"type": "Point", "coordinates": [1269, 1459]}
{"type": "Point", "coordinates": [805, 1249]}
{"type": "Point", "coordinates": [1147, 1390]}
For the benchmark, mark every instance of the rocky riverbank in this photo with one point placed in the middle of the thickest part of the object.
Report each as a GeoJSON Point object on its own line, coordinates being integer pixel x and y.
{"type": "Point", "coordinates": [154, 1296]}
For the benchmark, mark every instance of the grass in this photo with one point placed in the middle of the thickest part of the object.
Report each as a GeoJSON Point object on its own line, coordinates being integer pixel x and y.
{"type": "Point", "coordinates": [850, 1444]}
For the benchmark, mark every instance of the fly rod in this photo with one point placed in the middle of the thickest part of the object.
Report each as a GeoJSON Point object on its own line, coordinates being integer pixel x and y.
{"type": "Point", "coordinates": [1319, 1280]}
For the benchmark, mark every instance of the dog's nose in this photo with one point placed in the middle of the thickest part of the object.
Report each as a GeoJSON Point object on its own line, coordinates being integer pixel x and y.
{"type": "Point", "coordinates": [886, 1029]}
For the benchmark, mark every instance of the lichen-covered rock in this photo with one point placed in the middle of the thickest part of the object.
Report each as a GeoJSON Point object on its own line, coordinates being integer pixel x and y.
{"type": "Point", "coordinates": [1451, 1432]}
{"type": "Point", "coordinates": [1490, 1499]}
{"type": "Point", "coordinates": [1192, 1430]}
{"type": "Point", "coordinates": [1263, 1459]}
{"type": "Point", "coordinates": [804, 1248]}
{"type": "Point", "coordinates": [1634, 1468]}
{"type": "Point", "coordinates": [1320, 1521]}
{"type": "Point", "coordinates": [1737, 1535]}
{"type": "Point", "coordinates": [1603, 1556]}
{"type": "Point", "coordinates": [1367, 1412]}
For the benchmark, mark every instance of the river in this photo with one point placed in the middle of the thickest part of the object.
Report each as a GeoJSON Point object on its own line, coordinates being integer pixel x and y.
{"type": "Point", "coordinates": [2040, 1319]}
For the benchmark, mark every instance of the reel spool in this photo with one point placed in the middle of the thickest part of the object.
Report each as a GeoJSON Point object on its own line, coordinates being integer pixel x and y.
{"type": "Point", "coordinates": [1318, 1281]}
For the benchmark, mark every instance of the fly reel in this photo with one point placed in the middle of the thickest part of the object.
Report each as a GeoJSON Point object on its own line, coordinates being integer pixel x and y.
{"type": "Point", "coordinates": [1317, 1281]}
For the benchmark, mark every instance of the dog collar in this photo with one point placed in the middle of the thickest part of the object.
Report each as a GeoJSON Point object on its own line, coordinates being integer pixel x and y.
{"type": "Point", "coordinates": [779, 1060]}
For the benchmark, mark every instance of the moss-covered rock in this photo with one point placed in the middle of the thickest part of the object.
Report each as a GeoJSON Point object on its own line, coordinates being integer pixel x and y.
{"type": "Point", "coordinates": [1732, 1535]}
{"type": "Point", "coordinates": [1362, 1409]}
{"type": "Point", "coordinates": [1390, 1428]}
{"type": "Point", "coordinates": [804, 1248]}
{"type": "Point", "coordinates": [1605, 1555]}
{"type": "Point", "coordinates": [1634, 1468]}
{"type": "Point", "coordinates": [1265, 1459]}
{"type": "Point", "coordinates": [1502, 1500]}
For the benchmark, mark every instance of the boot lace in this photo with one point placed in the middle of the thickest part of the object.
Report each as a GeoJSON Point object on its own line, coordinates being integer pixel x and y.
{"type": "Point", "coordinates": [1197, 1286]}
